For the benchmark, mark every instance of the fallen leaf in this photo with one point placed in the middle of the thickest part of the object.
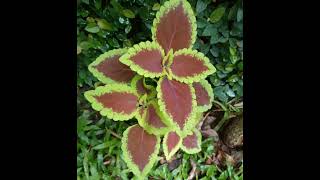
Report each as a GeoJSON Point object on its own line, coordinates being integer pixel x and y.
{"type": "Point", "coordinates": [210, 133]}
{"type": "Point", "coordinates": [238, 105]}
{"type": "Point", "coordinates": [162, 160]}
{"type": "Point", "coordinates": [229, 160]}
{"type": "Point", "coordinates": [209, 161]}
{"type": "Point", "coordinates": [206, 127]}
{"type": "Point", "coordinates": [209, 120]}
{"type": "Point", "coordinates": [173, 164]}
{"type": "Point", "coordinates": [237, 156]}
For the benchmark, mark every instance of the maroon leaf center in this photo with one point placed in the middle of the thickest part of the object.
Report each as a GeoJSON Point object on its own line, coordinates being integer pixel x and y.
{"type": "Point", "coordinates": [115, 70]}
{"type": "Point", "coordinates": [190, 141]}
{"type": "Point", "coordinates": [119, 101]}
{"type": "Point", "coordinates": [186, 65]}
{"type": "Point", "coordinates": [149, 60]}
{"type": "Point", "coordinates": [174, 30]}
{"type": "Point", "coordinates": [178, 100]}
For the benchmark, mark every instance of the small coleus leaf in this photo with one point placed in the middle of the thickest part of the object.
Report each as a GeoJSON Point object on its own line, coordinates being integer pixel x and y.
{"type": "Point", "coordinates": [197, 120]}
{"type": "Point", "coordinates": [171, 144]}
{"type": "Point", "coordinates": [116, 101]}
{"type": "Point", "coordinates": [108, 69]}
{"type": "Point", "coordinates": [175, 26]}
{"type": "Point", "coordinates": [138, 83]}
{"type": "Point", "coordinates": [204, 95]}
{"type": "Point", "coordinates": [145, 58]}
{"type": "Point", "coordinates": [152, 120]}
{"type": "Point", "coordinates": [190, 66]}
{"type": "Point", "coordinates": [191, 144]}
{"type": "Point", "coordinates": [140, 150]}
{"type": "Point", "coordinates": [177, 101]}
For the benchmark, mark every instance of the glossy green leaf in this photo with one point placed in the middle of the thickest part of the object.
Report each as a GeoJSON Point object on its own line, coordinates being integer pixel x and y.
{"type": "Point", "coordinates": [103, 24]}
{"type": "Point", "coordinates": [217, 14]}
{"type": "Point", "coordinates": [201, 5]}
{"type": "Point", "coordinates": [239, 14]}
{"type": "Point", "coordinates": [92, 28]}
{"type": "Point", "coordinates": [128, 13]}
{"type": "Point", "coordinates": [85, 1]}
{"type": "Point", "coordinates": [232, 12]}
{"type": "Point", "coordinates": [230, 92]}
{"type": "Point", "coordinates": [201, 23]}
{"type": "Point", "coordinates": [156, 7]}
{"type": "Point", "coordinates": [113, 42]}
{"type": "Point", "coordinates": [219, 92]}
{"type": "Point", "coordinates": [209, 30]}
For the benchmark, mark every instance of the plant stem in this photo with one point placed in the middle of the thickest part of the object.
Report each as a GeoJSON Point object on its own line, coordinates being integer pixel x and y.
{"type": "Point", "coordinates": [224, 120]}
{"type": "Point", "coordinates": [221, 105]}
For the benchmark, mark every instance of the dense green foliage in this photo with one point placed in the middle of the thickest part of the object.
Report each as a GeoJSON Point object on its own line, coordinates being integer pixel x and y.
{"type": "Point", "coordinates": [106, 25]}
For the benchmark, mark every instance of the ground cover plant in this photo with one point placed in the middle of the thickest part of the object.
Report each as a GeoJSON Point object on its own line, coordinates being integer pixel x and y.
{"type": "Point", "coordinates": [174, 107]}
{"type": "Point", "coordinates": [100, 140]}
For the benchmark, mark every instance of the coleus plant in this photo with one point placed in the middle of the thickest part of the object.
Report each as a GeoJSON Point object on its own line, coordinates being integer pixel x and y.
{"type": "Point", "coordinates": [161, 84]}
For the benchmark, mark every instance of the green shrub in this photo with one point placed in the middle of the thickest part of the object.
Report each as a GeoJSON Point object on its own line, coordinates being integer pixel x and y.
{"type": "Point", "coordinates": [106, 25]}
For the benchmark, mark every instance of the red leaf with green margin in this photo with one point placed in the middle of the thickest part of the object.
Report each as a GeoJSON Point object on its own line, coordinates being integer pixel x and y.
{"type": "Point", "coordinates": [152, 120]}
{"type": "Point", "coordinates": [190, 66]}
{"type": "Point", "coordinates": [171, 144]}
{"type": "Point", "coordinates": [116, 101]}
{"type": "Point", "coordinates": [141, 87]}
{"type": "Point", "coordinates": [196, 121]}
{"type": "Point", "coordinates": [108, 69]}
{"type": "Point", "coordinates": [140, 150]}
{"type": "Point", "coordinates": [145, 58]}
{"type": "Point", "coordinates": [192, 143]}
{"type": "Point", "coordinates": [204, 95]}
{"type": "Point", "coordinates": [177, 102]}
{"type": "Point", "coordinates": [175, 26]}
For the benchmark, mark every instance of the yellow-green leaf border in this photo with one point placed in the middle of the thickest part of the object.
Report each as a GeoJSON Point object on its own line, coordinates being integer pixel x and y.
{"type": "Point", "coordinates": [99, 75]}
{"type": "Point", "coordinates": [199, 56]}
{"type": "Point", "coordinates": [169, 5]}
{"type": "Point", "coordinates": [125, 59]}
{"type": "Point", "coordinates": [104, 111]}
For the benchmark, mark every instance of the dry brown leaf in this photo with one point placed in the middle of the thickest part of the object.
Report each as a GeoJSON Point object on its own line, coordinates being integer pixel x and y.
{"type": "Point", "coordinates": [210, 133]}
{"type": "Point", "coordinates": [173, 164]}
{"type": "Point", "coordinates": [193, 170]}
{"type": "Point", "coordinates": [209, 120]}
{"type": "Point", "coordinates": [162, 160]}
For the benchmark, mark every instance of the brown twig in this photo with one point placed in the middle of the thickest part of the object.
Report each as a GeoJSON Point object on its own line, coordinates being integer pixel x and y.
{"type": "Point", "coordinates": [193, 170]}
{"type": "Point", "coordinates": [239, 105]}
{"type": "Point", "coordinates": [114, 134]}
{"type": "Point", "coordinates": [107, 162]}
{"type": "Point", "coordinates": [233, 100]}
{"type": "Point", "coordinates": [217, 110]}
